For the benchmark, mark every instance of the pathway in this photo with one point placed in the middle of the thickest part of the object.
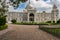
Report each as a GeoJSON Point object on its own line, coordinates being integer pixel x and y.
{"type": "Point", "coordinates": [26, 32]}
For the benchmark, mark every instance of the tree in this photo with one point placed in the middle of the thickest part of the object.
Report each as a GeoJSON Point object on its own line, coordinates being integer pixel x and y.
{"type": "Point", "coordinates": [3, 10]}
{"type": "Point", "coordinates": [2, 21]}
{"type": "Point", "coordinates": [58, 22]}
{"type": "Point", "coordinates": [14, 3]}
{"type": "Point", "coordinates": [13, 21]}
{"type": "Point", "coordinates": [17, 2]}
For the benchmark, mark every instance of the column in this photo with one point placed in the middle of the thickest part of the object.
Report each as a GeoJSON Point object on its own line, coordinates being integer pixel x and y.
{"type": "Point", "coordinates": [55, 19]}
{"type": "Point", "coordinates": [28, 17]}
{"type": "Point", "coordinates": [35, 17]}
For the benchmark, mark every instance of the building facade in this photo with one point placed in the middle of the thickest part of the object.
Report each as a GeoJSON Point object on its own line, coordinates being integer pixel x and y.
{"type": "Point", "coordinates": [30, 15]}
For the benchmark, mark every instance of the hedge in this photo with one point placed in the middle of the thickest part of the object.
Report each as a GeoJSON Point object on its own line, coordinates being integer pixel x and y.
{"type": "Point", "coordinates": [3, 27]}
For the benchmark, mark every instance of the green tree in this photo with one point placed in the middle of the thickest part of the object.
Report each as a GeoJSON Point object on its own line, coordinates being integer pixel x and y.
{"type": "Point", "coordinates": [2, 21]}
{"type": "Point", "coordinates": [4, 7]}
{"type": "Point", "coordinates": [17, 2]}
{"type": "Point", "coordinates": [13, 21]}
{"type": "Point", "coordinates": [58, 21]}
{"type": "Point", "coordinates": [3, 10]}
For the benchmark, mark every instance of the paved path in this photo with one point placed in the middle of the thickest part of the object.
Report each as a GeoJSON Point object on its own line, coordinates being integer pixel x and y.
{"type": "Point", "coordinates": [26, 32]}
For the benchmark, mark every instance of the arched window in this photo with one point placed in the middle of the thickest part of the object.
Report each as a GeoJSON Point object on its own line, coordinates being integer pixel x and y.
{"type": "Point", "coordinates": [31, 17]}
{"type": "Point", "coordinates": [31, 14]}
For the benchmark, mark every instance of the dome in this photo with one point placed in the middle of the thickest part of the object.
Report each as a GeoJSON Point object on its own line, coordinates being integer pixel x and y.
{"type": "Point", "coordinates": [29, 6]}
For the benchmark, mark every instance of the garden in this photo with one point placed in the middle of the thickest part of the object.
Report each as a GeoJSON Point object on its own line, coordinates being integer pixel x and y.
{"type": "Point", "coordinates": [34, 23]}
{"type": "Point", "coordinates": [55, 30]}
{"type": "Point", "coordinates": [28, 23]}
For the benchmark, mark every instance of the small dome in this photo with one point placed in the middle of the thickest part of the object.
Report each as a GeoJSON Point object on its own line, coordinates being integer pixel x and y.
{"type": "Point", "coordinates": [29, 6]}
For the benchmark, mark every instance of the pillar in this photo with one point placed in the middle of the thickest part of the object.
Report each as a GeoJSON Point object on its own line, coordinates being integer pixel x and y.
{"type": "Point", "coordinates": [28, 17]}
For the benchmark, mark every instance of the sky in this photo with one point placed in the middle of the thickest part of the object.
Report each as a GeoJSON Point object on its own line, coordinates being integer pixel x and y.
{"type": "Point", "coordinates": [40, 5]}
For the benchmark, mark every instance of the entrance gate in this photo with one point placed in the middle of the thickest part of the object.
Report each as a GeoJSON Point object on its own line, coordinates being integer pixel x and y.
{"type": "Point", "coordinates": [31, 17]}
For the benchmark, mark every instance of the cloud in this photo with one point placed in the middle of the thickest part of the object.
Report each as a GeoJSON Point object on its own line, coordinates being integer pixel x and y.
{"type": "Point", "coordinates": [47, 5]}
{"type": "Point", "coordinates": [41, 5]}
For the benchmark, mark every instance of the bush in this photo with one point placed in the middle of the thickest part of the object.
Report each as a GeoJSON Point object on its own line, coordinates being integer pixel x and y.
{"type": "Point", "coordinates": [58, 21]}
{"type": "Point", "coordinates": [48, 22]}
{"type": "Point", "coordinates": [2, 21]}
{"type": "Point", "coordinates": [53, 21]}
{"type": "Point", "coordinates": [3, 27]}
{"type": "Point", "coordinates": [34, 23]}
{"type": "Point", "coordinates": [13, 21]}
{"type": "Point", "coordinates": [42, 23]}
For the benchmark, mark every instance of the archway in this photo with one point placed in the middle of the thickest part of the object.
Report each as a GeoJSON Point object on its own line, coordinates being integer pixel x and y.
{"type": "Point", "coordinates": [31, 17]}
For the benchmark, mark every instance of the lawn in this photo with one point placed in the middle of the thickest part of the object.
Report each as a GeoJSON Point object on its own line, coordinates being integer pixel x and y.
{"type": "Point", "coordinates": [31, 23]}
{"type": "Point", "coordinates": [53, 31]}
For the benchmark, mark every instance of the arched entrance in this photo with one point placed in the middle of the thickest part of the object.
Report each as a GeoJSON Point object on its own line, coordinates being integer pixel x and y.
{"type": "Point", "coordinates": [31, 17]}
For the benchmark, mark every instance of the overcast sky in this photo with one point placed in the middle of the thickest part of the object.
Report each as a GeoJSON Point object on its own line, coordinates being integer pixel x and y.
{"type": "Point", "coordinates": [40, 5]}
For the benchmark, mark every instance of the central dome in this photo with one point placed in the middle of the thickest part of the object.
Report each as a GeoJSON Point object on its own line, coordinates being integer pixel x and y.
{"type": "Point", "coordinates": [29, 6]}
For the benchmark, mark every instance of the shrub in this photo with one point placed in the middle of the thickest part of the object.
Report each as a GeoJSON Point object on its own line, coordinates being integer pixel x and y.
{"type": "Point", "coordinates": [13, 21]}
{"type": "Point", "coordinates": [48, 22]}
{"type": "Point", "coordinates": [3, 27]}
{"type": "Point", "coordinates": [58, 21]}
{"type": "Point", "coordinates": [53, 21]}
{"type": "Point", "coordinates": [2, 21]}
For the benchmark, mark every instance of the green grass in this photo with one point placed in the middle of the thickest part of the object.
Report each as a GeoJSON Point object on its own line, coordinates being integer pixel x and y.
{"type": "Point", "coordinates": [31, 23]}
{"type": "Point", "coordinates": [53, 31]}
{"type": "Point", "coordinates": [3, 27]}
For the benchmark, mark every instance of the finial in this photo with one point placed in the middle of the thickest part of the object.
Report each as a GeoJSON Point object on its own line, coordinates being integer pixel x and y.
{"type": "Point", "coordinates": [54, 6]}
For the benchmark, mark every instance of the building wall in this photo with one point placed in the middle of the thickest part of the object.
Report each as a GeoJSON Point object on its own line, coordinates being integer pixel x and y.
{"type": "Point", "coordinates": [38, 17]}
{"type": "Point", "coordinates": [43, 17]}
{"type": "Point", "coordinates": [25, 17]}
{"type": "Point", "coordinates": [14, 15]}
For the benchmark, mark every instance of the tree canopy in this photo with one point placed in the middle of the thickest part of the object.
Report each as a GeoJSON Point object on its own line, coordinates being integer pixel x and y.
{"type": "Point", "coordinates": [17, 2]}
{"type": "Point", "coordinates": [4, 9]}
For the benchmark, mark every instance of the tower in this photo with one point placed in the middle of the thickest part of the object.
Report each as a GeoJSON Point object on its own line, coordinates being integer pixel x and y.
{"type": "Point", "coordinates": [30, 11]}
{"type": "Point", "coordinates": [54, 14]}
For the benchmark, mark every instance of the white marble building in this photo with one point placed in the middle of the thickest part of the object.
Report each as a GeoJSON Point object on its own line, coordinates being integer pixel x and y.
{"type": "Point", "coordinates": [30, 14]}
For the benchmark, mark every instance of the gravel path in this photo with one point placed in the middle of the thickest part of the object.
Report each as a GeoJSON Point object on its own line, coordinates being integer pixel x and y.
{"type": "Point", "coordinates": [26, 32]}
